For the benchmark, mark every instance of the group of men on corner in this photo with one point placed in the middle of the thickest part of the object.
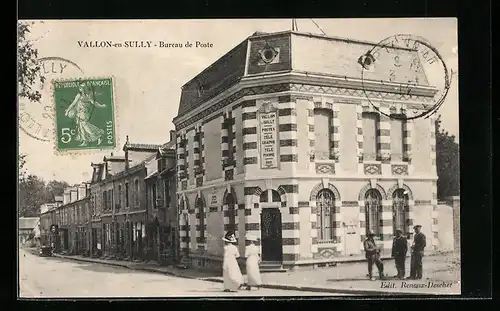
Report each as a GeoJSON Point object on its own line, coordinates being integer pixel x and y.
{"type": "Point", "coordinates": [399, 251]}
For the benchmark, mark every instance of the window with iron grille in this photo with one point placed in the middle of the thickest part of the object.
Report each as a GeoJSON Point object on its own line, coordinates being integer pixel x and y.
{"type": "Point", "coordinates": [373, 209]}
{"type": "Point", "coordinates": [325, 203]}
{"type": "Point", "coordinates": [399, 207]}
{"type": "Point", "coordinates": [231, 212]}
{"type": "Point", "coordinates": [201, 211]}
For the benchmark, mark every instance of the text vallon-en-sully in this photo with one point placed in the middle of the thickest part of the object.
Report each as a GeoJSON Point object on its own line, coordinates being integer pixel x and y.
{"type": "Point", "coordinates": [142, 44]}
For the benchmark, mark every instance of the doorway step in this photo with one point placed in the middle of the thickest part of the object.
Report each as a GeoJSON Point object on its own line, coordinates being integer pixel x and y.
{"type": "Point", "coordinates": [271, 266]}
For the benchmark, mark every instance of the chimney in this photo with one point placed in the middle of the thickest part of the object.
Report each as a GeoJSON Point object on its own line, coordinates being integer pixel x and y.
{"type": "Point", "coordinates": [172, 135]}
{"type": "Point", "coordinates": [82, 191]}
{"type": "Point", "coordinates": [74, 195]}
{"type": "Point", "coordinates": [126, 154]}
{"type": "Point", "coordinates": [66, 197]}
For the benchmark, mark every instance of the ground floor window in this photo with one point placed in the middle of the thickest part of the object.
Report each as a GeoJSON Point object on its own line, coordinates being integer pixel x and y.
{"type": "Point", "coordinates": [373, 209]}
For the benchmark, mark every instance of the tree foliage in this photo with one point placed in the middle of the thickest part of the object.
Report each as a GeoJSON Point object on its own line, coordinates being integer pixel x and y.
{"type": "Point", "coordinates": [55, 188]}
{"type": "Point", "coordinates": [33, 192]}
{"type": "Point", "coordinates": [21, 159]}
{"type": "Point", "coordinates": [32, 195]}
{"type": "Point", "coordinates": [29, 70]}
{"type": "Point", "coordinates": [447, 162]}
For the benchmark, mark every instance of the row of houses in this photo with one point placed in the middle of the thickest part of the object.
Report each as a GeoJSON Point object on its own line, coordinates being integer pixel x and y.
{"type": "Point", "coordinates": [127, 210]}
{"type": "Point", "coordinates": [289, 137]}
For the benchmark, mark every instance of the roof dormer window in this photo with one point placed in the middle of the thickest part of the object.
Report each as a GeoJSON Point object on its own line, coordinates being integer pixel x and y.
{"type": "Point", "coordinates": [268, 54]}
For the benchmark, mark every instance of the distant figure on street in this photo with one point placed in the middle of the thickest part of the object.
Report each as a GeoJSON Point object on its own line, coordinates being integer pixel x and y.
{"type": "Point", "coordinates": [417, 253]}
{"type": "Point", "coordinates": [372, 253]}
{"type": "Point", "coordinates": [399, 250]}
{"type": "Point", "coordinates": [233, 279]}
{"type": "Point", "coordinates": [253, 260]}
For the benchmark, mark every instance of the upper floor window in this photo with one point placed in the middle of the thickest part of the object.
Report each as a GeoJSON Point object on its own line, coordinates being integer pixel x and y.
{"type": "Point", "coordinates": [370, 130]}
{"type": "Point", "coordinates": [397, 130]}
{"type": "Point", "coordinates": [167, 194]}
{"type": "Point", "coordinates": [322, 133]}
{"type": "Point", "coordinates": [120, 196]}
{"type": "Point", "coordinates": [153, 195]}
{"type": "Point", "coordinates": [127, 195]}
{"type": "Point", "coordinates": [136, 192]}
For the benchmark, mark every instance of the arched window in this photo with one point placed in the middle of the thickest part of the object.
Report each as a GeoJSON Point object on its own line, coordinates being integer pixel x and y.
{"type": "Point", "coordinates": [231, 212]}
{"type": "Point", "coordinates": [399, 207]}
{"type": "Point", "coordinates": [373, 208]}
{"type": "Point", "coordinates": [270, 196]}
{"type": "Point", "coordinates": [201, 211]}
{"type": "Point", "coordinates": [325, 202]}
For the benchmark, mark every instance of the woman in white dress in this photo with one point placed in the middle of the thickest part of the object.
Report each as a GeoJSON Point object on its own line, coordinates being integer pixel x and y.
{"type": "Point", "coordinates": [233, 279]}
{"type": "Point", "coordinates": [253, 260]}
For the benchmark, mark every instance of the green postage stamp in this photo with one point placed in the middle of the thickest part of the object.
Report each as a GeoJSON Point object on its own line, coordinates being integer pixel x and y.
{"type": "Point", "coordinates": [85, 114]}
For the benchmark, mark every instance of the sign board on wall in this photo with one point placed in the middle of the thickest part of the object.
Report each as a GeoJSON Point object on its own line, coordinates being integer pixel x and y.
{"type": "Point", "coordinates": [268, 135]}
{"type": "Point", "coordinates": [214, 200]}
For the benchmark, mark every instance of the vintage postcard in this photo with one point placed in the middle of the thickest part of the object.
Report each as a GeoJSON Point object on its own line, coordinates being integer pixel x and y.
{"type": "Point", "coordinates": [238, 158]}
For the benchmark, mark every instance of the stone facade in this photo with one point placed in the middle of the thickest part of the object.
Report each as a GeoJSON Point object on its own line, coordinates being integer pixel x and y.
{"type": "Point", "coordinates": [300, 152]}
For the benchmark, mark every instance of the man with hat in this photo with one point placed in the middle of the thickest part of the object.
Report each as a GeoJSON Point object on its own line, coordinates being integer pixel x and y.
{"type": "Point", "coordinates": [417, 252]}
{"type": "Point", "coordinates": [372, 253]}
{"type": "Point", "coordinates": [399, 250]}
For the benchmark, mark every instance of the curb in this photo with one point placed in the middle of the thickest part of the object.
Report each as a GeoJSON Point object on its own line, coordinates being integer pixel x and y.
{"type": "Point", "coordinates": [359, 292]}
{"type": "Point", "coordinates": [126, 266]}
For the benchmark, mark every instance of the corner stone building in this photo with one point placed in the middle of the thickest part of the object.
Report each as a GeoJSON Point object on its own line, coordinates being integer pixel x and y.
{"type": "Point", "coordinates": [280, 138]}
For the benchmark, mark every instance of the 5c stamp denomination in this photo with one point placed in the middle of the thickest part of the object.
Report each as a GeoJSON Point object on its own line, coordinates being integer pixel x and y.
{"type": "Point", "coordinates": [85, 116]}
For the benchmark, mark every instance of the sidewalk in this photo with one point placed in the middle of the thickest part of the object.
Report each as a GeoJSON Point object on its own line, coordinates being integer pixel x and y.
{"type": "Point", "coordinates": [441, 271]}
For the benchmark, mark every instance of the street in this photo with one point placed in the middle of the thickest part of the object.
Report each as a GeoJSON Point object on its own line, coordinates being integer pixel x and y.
{"type": "Point", "coordinates": [44, 277]}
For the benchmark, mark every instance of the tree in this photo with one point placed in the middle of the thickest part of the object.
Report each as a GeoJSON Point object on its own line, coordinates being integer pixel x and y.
{"type": "Point", "coordinates": [21, 158]}
{"type": "Point", "coordinates": [447, 162]}
{"type": "Point", "coordinates": [32, 194]}
{"type": "Point", "coordinates": [55, 188]}
{"type": "Point", "coordinates": [29, 70]}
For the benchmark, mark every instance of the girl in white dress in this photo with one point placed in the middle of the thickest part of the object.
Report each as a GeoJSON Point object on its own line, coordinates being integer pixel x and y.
{"type": "Point", "coordinates": [233, 279]}
{"type": "Point", "coordinates": [253, 260]}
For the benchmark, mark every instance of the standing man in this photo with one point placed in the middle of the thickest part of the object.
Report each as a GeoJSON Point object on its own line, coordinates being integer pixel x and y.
{"type": "Point", "coordinates": [417, 252]}
{"type": "Point", "coordinates": [399, 250]}
{"type": "Point", "coordinates": [372, 253]}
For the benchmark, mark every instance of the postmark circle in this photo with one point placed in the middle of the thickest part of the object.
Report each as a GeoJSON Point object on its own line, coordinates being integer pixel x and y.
{"type": "Point", "coordinates": [408, 70]}
{"type": "Point", "coordinates": [36, 119]}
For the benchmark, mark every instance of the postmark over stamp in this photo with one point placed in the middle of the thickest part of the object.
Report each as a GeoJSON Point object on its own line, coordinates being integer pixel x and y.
{"type": "Point", "coordinates": [413, 68]}
{"type": "Point", "coordinates": [84, 114]}
{"type": "Point", "coordinates": [36, 118]}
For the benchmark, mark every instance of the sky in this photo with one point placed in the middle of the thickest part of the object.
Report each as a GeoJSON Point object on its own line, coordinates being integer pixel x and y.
{"type": "Point", "coordinates": [149, 81]}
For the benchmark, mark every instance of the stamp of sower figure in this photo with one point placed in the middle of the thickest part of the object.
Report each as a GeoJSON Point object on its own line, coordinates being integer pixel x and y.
{"type": "Point", "coordinates": [84, 114]}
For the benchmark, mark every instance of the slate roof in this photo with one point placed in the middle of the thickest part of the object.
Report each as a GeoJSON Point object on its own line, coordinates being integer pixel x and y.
{"type": "Point", "coordinates": [147, 147]}
{"type": "Point", "coordinates": [28, 223]}
{"type": "Point", "coordinates": [309, 53]}
{"type": "Point", "coordinates": [114, 158]}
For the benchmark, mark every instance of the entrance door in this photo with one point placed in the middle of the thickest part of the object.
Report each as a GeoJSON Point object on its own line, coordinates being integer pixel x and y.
{"type": "Point", "coordinates": [66, 239]}
{"type": "Point", "coordinates": [272, 247]}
